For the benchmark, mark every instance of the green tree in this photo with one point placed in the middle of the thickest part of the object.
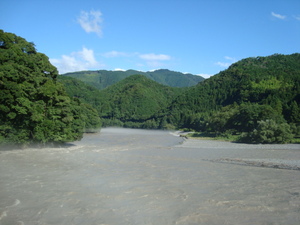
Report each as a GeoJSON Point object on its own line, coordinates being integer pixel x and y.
{"type": "Point", "coordinates": [34, 107]}
{"type": "Point", "coordinates": [269, 132]}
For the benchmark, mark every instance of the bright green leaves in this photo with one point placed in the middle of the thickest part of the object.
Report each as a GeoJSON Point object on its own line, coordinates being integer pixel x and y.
{"type": "Point", "coordinates": [33, 106]}
{"type": "Point", "coordinates": [270, 84]}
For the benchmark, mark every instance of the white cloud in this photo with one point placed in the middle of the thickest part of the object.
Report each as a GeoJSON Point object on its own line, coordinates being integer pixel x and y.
{"type": "Point", "coordinates": [226, 64]}
{"type": "Point", "coordinates": [297, 17]}
{"type": "Point", "coordinates": [119, 69]}
{"type": "Point", "coordinates": [278, 16]}
{"type": "Point", "coordinates": [223, 64]}
{"type": "Point", "coordinates": [113, 54]}
{"type": "Point", "coordinates": [91, 21]}
{"type": "Point", "coordinates": [230, 58]}
{"type": "Point", "coordinates": [155, 60]}
{"type": "Point", "coordinates": [154, 57]}
{"type": "Point", "coordinates": [204, 75]}
{"type": "Point", "coordinates": [155, 64]}
{"type": "Point", "coordinates": [76, 61]}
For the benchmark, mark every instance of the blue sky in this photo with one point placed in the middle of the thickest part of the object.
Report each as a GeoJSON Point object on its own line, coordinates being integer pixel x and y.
{"type": "Point", "coordinates": [195, 36]}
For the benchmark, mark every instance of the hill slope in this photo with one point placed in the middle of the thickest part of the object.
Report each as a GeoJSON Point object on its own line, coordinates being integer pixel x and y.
{"type": "Point", "coordinates": [134, 100]}
{"type": "Point", "coordinates": [254, 92]}
{"type": "Point", "coordinates": [103, 78]}
{"type": "Point", "coordinates": [272, 81]}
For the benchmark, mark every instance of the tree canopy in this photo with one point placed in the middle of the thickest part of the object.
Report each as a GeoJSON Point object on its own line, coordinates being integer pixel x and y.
{"type": "Point", "coordinates": [239, 100]}
{"type": "Point", "coordinates": [104, 78]}
{"type": "Point", "coordinates": [34, 107]}
{"type": "Point", "coordinates": [255, 98]}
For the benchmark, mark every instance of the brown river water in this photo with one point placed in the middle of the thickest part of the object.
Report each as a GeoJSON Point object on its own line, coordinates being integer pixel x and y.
{"type": "Point", "coordinates": [130, 176]}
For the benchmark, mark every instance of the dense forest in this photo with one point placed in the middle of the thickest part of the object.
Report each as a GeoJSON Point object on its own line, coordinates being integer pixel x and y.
{"type": "Point", "coordinates": [250, 94]}
{"type": "Point", "coordinates": [135, 101]}
{"type": "Point", "coordinates": [257, 100]}
{"type": "Point", "coordinates": [101, 79]}
{"type": "Point", "coordinates": [34, 107]}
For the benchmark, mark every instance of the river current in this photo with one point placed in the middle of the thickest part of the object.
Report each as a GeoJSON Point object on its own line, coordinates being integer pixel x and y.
{"type": "Point", "coordinates": [130, 176]}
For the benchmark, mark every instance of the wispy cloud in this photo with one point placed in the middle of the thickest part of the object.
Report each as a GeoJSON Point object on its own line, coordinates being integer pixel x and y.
{"type": "Point", "coordinates": [204, 75]}
{"type": "Point", "coordinates": [113, 54]}
{"type": "Point", "coordinates": [230, 58]}
{"type": "Point", "coordinates": [226, 64]}
{"type": "Point", "coordinates": [278, 16]}
{"type": "Point", "coordinates": [155, 60]}
{"type": "Point", "coordinates": [91, 21]}
{"type": "Point", "coordinates": [155, 57]}
{"type": "Point", "coordinates": [119, 69]}
{"type": "Point", "coordinates": [297, 17]}
{"type": "Point", "coordinates": [77, 61]}
{"type": "Point", "coordinates": [223, 64]}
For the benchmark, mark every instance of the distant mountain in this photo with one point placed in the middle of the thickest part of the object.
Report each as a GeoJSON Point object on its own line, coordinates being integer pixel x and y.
{"type": "Point", "coordinates": [104, 78]}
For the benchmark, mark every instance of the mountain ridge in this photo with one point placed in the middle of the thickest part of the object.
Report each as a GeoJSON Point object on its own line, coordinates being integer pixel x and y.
{"type": "Point", "coordinates": [104, 78]}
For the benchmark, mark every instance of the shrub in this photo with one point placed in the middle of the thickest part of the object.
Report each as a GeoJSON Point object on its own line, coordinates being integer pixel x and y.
{"type": "Point", "coordinates": [269, 132]}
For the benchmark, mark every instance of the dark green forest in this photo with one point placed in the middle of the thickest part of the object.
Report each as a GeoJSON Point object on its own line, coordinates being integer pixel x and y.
{"type": "Point", "coordinates": [34, 107]}
{"type": "Point", "coordinates": [240, 99]}
{"type": "Point", "coordinates": [101, 79]}
{"type": "Point", "coordinates": [256, 99]}
{"type": "Point", "coordinates": [135, 101]}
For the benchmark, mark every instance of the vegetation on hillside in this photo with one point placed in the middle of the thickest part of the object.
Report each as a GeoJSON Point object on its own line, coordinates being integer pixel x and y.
{"type": "Point", "coordinates": [256, 99]}
{"type": "Point", "coordinates": [243, 97]}
{"type": "Point", "coordinates": [103, 78]}
{"type": "Point", "coordinates": [34, 107]}
{"type": "Point", "coordinates": [135, 101]}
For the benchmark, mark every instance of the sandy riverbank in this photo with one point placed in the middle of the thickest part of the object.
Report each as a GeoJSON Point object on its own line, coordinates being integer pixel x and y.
{"type": "Point", "coordinates": [126, 176]}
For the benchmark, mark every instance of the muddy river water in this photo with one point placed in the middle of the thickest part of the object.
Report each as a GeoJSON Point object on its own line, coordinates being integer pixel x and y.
{"type": "Point", "coordinates": [128, 176]}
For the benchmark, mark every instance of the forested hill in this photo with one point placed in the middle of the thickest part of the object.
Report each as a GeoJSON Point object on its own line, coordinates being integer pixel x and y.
{"type": "Point", "coordinates": [261, 93]}
{"type": "Point", "coordinates": [249, 91]}
{"type": "Point", "coordinates": [257, 99]}
{"type": "Point", "coordinates": [261, 80]}
{"type": "Point", "coordinates": [136, 101]}
{"type": "Point", "coordinates": [104, 78]}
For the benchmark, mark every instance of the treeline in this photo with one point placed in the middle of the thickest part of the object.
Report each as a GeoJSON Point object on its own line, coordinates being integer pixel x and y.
{"type": "Point", "coordinates": [101, 79]}
{"type": "Point", "coordinates": [34, 107]}
{"type": "Point", "coordinates": [135, 101]}
{"type": "Point", "coordinates": [256, 99]}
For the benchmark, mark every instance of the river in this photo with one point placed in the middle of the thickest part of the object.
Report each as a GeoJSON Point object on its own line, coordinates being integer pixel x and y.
{"type": "Point", "coordinates": [131, 176]}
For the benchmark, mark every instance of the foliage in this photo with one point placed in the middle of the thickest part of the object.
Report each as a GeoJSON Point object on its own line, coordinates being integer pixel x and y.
{"type": "Point", "coordinates": [269, 80]}
{"type": "Point", "coordinates": [34, 107]}
{"type": "Point", "coordinates": [103, 78]}
{"type": "Point", "coordinates": [135, 102]}
{"type": "Point", "coordinates": [229, 103]}
{"type": "Point", "coordinates": [269, 132]}
{"type": "Point", "coordinates": [138, 100]}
